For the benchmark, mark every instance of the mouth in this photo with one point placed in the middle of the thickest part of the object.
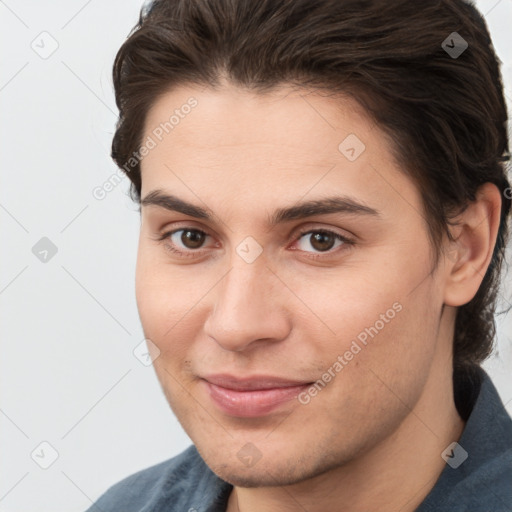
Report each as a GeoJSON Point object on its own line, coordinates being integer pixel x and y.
{"type": "Point", "coordinates": [251, 397]}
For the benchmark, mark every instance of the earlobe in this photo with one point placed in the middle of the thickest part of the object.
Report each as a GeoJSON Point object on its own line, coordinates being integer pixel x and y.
{"type": "Point", "coordinates": [469, 255]}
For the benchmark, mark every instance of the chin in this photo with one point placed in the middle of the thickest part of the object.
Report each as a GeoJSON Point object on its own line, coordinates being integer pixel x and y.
{"type": "Point", "coordinates": [255, 477]}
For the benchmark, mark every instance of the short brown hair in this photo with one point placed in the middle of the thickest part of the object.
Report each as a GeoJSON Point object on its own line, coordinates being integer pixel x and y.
{"type": "Point", "coordinates": [445, 115]}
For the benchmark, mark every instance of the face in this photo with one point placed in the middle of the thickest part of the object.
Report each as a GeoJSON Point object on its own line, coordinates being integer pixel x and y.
{"type": "Point", "coordinates": [249, 284]}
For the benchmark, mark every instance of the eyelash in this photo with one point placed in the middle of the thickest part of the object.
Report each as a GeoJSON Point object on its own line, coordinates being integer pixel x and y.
{"type": "Point", "coordinates": [193, 253]}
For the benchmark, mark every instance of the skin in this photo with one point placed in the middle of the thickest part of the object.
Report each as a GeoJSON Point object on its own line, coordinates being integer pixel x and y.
{"type": "Point", "coordinates": [372, 438]}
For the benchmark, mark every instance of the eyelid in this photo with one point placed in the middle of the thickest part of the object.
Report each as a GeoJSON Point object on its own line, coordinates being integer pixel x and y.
{"type": "Point", "coordinates": [304, 230]}
{"type": "Point", "coordinates": [322, 229]}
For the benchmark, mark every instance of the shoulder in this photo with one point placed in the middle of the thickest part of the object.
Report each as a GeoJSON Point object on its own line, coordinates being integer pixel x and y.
{"type": "Point", "coordinates": [177, 481]}
{"type": "Point", "coordinates": [482, 482]}
{"type": "Point", "coordinates": [487, 481]}
{"type": "Point", "coordinates": [487, 489]}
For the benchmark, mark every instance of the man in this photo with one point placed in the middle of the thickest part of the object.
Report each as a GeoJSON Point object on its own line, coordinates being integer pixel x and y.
{"type": "Point", "coordinates": [324, 211]}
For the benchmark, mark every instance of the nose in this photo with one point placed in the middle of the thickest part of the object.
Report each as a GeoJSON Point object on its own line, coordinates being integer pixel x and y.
{"type": "Point", "coordinates": [249, 307]}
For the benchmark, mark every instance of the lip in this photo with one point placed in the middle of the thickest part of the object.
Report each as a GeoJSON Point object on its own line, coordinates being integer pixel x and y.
{"type": "Point", "coordinates": [253, 396]}
{"type": "Point", "coordinates": [256, 382]}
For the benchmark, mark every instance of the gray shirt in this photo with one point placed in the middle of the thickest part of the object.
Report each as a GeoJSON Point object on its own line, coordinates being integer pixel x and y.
{"type": "Point", "coordinates": [480, 482]}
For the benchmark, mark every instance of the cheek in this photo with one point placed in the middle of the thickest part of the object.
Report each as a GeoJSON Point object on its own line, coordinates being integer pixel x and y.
{"type": "Point", "coordinates": [341, 303]}
{"type": "Point", "coordinates": [160, 300]}
{"type": "Point", "coordinates": [160, 292]}
{"type": "Point", "coordinates": [370, 315]}
{"type": "Point", "coordinates": [168, 301]}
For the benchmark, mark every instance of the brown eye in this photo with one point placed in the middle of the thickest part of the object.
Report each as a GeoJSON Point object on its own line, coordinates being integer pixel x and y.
{"type": "Point", "coordinates": [184, 242]}
{"type": "Point", "coordinates": [192, 238]}
{"type": "Point", "coordinates": [320, 240]}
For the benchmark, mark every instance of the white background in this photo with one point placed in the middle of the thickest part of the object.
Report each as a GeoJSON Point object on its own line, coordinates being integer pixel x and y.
{"type": "Point", "coordinates": [69, 326]}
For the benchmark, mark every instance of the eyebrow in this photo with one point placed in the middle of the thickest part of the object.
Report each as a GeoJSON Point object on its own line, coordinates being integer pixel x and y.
{"type": "Point", "coordinates": [333, 204]}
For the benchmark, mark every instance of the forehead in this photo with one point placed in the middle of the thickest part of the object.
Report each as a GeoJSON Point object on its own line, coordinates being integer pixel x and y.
{"type": "Point", "coordinates": [284, 144]}
{"type": "Point", "coordinates": [231, 116]}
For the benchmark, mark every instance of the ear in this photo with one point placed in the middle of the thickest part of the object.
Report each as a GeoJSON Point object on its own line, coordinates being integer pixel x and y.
{"type": "Point", "coordinates": [468, 257]}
